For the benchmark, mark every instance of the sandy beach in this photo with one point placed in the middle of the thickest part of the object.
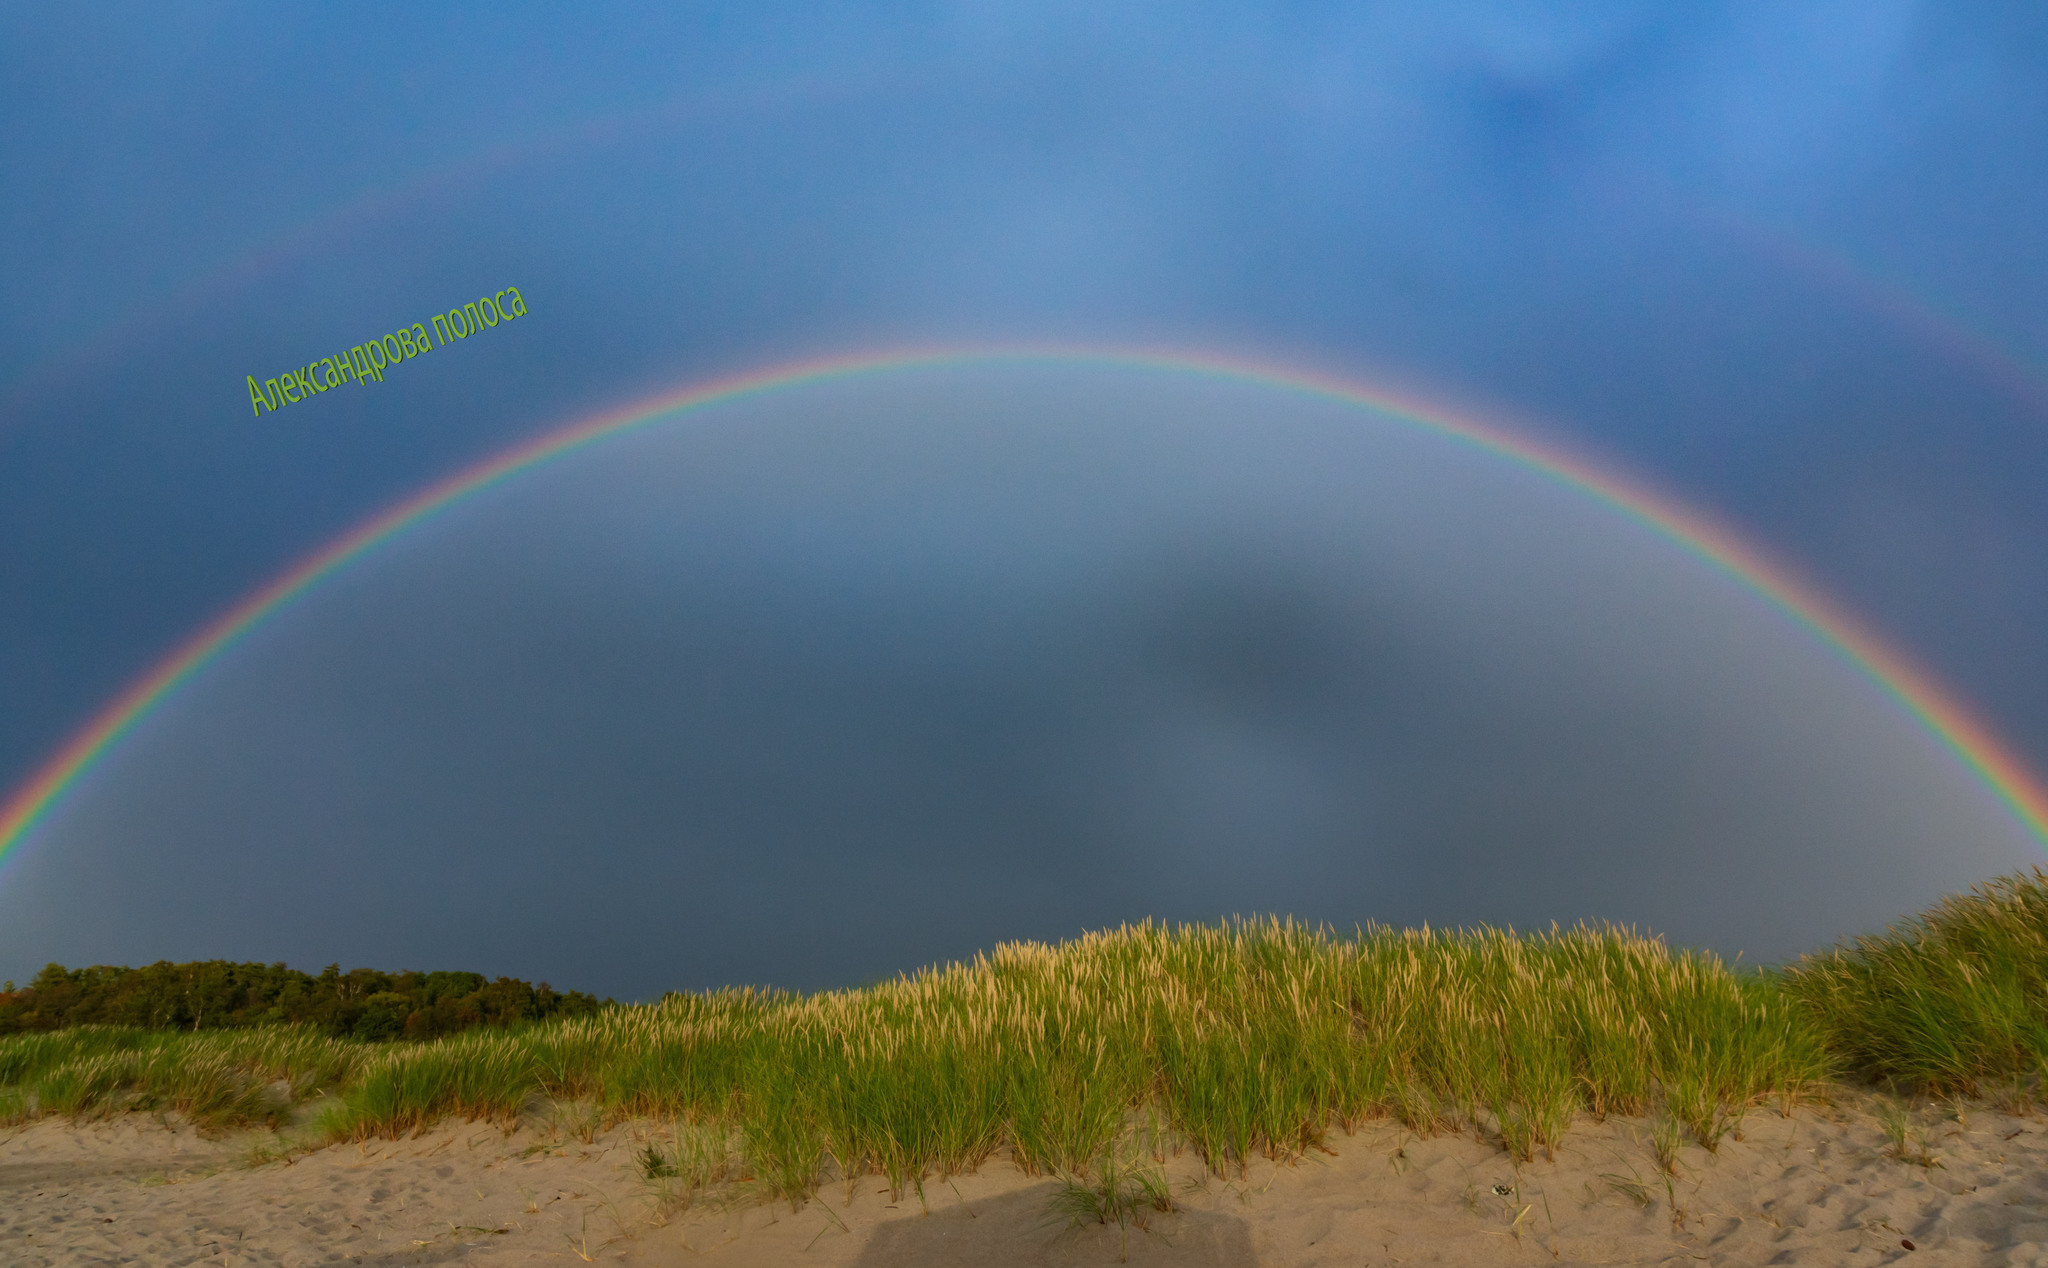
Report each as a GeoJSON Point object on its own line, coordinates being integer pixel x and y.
{"type": "Point", "coordinates": [1824, 1185]}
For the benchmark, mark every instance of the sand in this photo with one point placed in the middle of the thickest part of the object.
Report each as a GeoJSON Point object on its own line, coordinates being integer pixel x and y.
{"type": "Point", "coordinates": [1820, 1186]}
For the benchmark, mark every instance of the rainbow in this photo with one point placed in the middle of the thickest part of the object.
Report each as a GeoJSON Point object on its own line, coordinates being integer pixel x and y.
{"type": "Point", "coordinates": [1994, 360]}
{"type": "Point", "coordinates": [1963, 735]}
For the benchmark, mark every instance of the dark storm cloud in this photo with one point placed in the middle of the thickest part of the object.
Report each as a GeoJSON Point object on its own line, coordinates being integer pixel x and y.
{"type": "Point", "coordinates": [1582, 216]}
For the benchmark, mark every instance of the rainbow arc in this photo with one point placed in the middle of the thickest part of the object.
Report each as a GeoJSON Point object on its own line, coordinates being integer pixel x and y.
{"type": "Point", "coordinates": [1972, 742]}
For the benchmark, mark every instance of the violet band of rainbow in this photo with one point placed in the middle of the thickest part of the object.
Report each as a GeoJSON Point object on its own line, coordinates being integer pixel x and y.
{"type": "Point", "coordinates": [1967, 738]}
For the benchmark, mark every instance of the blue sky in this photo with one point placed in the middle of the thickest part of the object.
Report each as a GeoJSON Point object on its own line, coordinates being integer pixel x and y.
{"type": "Point", "coordinates": [1781, 261]}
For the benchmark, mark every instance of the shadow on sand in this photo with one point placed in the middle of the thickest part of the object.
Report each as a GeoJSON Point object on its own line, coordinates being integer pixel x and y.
{"type": "Point", "coordinates": [1016, 1229]}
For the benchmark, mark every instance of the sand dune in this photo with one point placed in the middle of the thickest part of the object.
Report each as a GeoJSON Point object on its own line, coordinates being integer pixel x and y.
{"type": "Point", "coordinates": [1820, 1186]}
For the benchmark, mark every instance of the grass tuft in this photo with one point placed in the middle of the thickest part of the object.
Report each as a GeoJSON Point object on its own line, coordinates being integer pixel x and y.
{"type": "Point", "coordinates": [1123, 1187]}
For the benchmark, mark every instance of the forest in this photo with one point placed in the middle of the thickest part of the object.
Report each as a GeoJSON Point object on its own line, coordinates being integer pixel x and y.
{"type": "Point", "coordinates": [362, 1004]}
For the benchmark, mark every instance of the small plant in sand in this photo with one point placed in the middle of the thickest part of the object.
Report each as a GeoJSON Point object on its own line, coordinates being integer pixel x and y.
{"type": "Point", "coordinates": [1906, 1142]}
{"type": "Point", "coordinates": [1124, 1187]}
{"type": "Point", "coordinates": [580, 1246]}
{"type": "Point", "coordinates": [2013, 1096]}
{"type": "Point", "coordinates": [276, 1147]}
{"type": "Point", "coordinates": [565, 1120]}
{"type": "Point", "coordinates": [1666, 1136]}
{"type": "Point", "coordinates": [694, 1158]}
{"type": "Point", "coordinates": [655, 1165]}
{"type": "Point", "coordinates": [1630, 1186]}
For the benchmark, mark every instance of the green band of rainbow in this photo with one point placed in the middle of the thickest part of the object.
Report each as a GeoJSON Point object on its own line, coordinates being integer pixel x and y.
{"type": "Point", "coordinates": [1963, 735]}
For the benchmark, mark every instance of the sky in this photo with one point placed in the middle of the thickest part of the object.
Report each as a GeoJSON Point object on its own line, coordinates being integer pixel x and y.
{"type": "Point", "coordinates": [846, 677]}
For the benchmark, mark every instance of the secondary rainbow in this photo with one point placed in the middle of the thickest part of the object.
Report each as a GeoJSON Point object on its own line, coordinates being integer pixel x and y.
{"type": "Point", "coordinates": [1966, 737]}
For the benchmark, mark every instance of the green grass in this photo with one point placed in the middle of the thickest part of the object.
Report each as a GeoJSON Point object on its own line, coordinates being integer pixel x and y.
{"type": "Point", "coordinates": [1248, 1039]}
{"type": "Point", "coordinates": [1948, 1002]}
{"type": "Point", "coordinates": [219, 1079]}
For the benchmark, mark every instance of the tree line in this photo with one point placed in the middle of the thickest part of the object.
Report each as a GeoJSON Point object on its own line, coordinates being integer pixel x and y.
{"type": "Point", "coordinates": [215, 994]}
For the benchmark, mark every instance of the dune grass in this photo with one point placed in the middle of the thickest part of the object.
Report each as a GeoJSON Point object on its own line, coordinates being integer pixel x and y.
{"type": "Point", "coordinates": [1948, 1002]}
{"type": "Point", "coordinates": [218, 1079]}
{"type": "Point", "coordinates": [1255, 1037]}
